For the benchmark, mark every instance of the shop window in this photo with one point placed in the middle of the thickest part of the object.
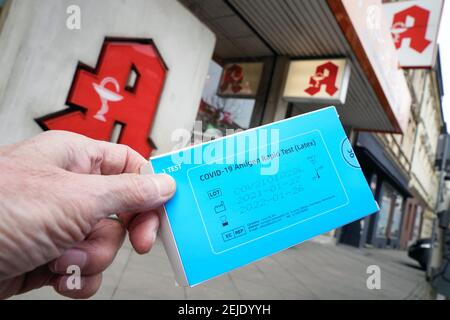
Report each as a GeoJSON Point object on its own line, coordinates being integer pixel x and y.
{"type": "Point", "coordinates": [417, 224]}
{"type": "Point", "coordinates": [396, 216]}
{"type": "Point", "coordinates": [385, 209]}
{"type": "Point", "coordinates": [390, 215]}
{"type": "Point", "coordinates": [219, 113]}
{"type": "Point", "coordinates": [373, 183]}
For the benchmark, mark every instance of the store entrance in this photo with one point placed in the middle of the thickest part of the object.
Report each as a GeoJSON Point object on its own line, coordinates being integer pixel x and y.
{"type": "Point", "coordinates": [387, 221]}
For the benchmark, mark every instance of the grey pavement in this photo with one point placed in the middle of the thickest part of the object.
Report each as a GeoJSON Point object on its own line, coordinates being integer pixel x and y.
{"type": "Point", "coordinates": [316, 269]}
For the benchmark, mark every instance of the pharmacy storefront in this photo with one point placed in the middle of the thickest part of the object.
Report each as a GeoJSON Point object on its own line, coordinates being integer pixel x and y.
{"type": "Point", "coordinates": [133, 72]}
{"type": "Point", "coordinates": [81, 66]}
{"type": "Point", "coordinates": [262, 72]}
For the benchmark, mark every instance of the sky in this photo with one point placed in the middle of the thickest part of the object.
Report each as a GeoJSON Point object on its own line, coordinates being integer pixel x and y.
{"type": "Point", "coordinates": [444, 44]}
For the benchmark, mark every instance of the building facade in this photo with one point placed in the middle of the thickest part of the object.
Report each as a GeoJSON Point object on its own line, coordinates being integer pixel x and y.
{"type": "Point", "coordinates": [227, 64]}
{"type": "Point", "coordinates": [399, 167]}
{"type": "Point", "coordinates": [424, 180]}
{"type": "Point", "coordinates": [401, 171]}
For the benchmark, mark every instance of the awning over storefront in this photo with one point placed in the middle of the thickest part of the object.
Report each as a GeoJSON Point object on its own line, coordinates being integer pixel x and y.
{"type": "Point", "coordinates": [377, 98]}
{"type": "Point", "coordinates": [374, 150]}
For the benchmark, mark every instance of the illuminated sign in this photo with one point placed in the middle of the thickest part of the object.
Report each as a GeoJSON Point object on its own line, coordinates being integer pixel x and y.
{"type": "Point", "coordinates": [414, 28]}
{"type": "Point", "coordinates": [240, 79]}
{"type": "Point", "coordinates": [122, 92]}
{"type": "Point", "coordinates": [317, 80]}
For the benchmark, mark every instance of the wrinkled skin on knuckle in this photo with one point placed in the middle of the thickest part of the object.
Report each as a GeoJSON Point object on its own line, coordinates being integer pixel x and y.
{"type": "Point", "coordinates": [136, 193]}
{"type": "Point", "coordinates": [96, 246]}
{"type": "Point", "coordinates": [87, 160]}
{"type": "Point", "coordinates": [131, 194]}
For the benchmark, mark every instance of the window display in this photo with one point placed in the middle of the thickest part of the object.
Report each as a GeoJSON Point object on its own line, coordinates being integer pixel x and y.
{"type": "Point", "coordinates": [219, 113]}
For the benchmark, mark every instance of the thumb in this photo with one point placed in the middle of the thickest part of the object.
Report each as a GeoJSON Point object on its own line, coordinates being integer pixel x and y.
{"type": "Point", "coordinates": [125, 193]}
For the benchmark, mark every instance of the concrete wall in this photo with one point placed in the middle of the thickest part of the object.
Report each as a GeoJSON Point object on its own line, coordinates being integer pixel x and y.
{"type": "Point", "coordinates": [39, 56]}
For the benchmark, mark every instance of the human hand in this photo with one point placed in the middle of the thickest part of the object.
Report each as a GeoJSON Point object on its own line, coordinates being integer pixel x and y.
{"type": "Point", "coordinates": [57, 191]}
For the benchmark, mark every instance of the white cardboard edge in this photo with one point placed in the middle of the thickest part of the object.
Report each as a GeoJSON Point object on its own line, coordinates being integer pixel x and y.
{"type": "Point", "coordinates": [168, 240]}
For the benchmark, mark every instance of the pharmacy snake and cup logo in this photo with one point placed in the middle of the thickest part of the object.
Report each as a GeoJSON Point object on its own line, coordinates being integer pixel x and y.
{"type": "Point", "coordinates": [124, 89]}
{"type": "Point", "coordinates": [411, 23]}
{"type": "Point", "coordinates": [106, 95]}
{"type": "Point", "coordinates": [326, 76]}
{"type": "Point", "coordinates": [233, 77]}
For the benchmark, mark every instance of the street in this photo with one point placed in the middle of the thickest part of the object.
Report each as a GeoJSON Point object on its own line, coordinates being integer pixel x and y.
{"type": "Point", "coordinates": [316, 269]}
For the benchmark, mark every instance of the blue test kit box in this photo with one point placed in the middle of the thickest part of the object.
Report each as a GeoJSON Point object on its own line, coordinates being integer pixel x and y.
{"type": "Point", "coordinates": [248, 195]}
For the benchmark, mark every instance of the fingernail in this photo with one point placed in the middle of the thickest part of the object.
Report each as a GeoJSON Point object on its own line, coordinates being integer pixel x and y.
{"type": "Point", "coordinates": [72, 257]}
{"type": "Point", "coordinates": [166, 184]}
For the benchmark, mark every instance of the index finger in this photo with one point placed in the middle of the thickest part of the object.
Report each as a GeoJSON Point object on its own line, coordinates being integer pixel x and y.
{"type": "Point", "coordinates": [119, 158]}
{"type": "Point", "coordinates": [80, 154]}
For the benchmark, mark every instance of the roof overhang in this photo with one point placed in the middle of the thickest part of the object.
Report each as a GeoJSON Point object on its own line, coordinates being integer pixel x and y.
{"type": "Point", "coordinates": [319, 29]}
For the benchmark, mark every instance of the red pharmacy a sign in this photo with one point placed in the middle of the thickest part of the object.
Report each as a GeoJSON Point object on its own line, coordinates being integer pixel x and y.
{"type": "Point", "coordinates": [317, 80]}
{"type": "Point", "coordinates": [414, 28]}
{"type": "Point", "coordinates": [416, 32]}
{"type": "Point", "coordinates": [123, 92]}
{"type": "Point", "coordinates": [325, 75]}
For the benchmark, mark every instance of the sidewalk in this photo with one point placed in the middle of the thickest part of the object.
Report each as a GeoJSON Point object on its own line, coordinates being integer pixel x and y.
{"type": "Point", "coordinates": [312, 270]}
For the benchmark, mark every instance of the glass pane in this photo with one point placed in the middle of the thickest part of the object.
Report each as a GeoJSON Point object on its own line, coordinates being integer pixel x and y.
{"type": "Point", "coordinates": [396, 217]}
{"type": "Point", "coordinates": [387, 195]}
{"type": "Point", "coordinates": [385, 208]}
{"type": "Point", "coordinates": [220, 113]}
{"type": "Point", "coordinates": [373, 183]}
{"type": "Point", "coordinates": [417, 221]}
